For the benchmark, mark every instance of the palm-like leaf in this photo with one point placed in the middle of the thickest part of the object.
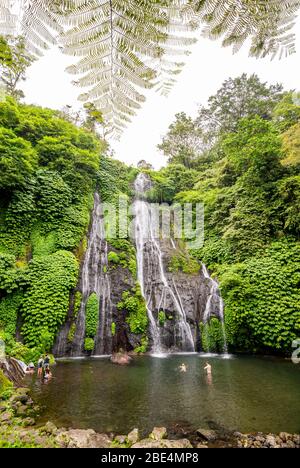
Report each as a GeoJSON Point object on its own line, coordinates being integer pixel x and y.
{"type": "Point", "coordinates": [121, 44]}
{"type": "Point", "coordinates": [267, 23]}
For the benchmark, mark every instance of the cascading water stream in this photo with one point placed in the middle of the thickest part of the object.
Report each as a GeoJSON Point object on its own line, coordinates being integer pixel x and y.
{"type": "Point", "coordinates": [150, 266]}
{"type": "Point", "coordinates": [214, 294]}
{"type": "Point", "coordinates": [94, 279]}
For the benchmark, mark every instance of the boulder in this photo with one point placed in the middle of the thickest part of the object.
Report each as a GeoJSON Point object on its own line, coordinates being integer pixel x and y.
{"type": "Point", "coordinates": [133, 436]}
{"type": "Point", "coordinates": [201, 446]}
{"type": "Point", "coordinates": [270, 441]}
{"type": "Point", "coordinates": [6, 417]}
{"type": "Point", "coordinates": [79, 438]}
{"type": "Point", "coordinates": [75, 438]}
{"type": "Point", "coordinates": [121, 439]}
{"type": "Point", "coordinates": [27, 422]}
{"type": "Point", "coordinates": [284, 436]}
{"type": "Point", "coordinates": [122, 359]}
{"type": "Point", "coordinates": [158, 433]}
{"type": "Point", "coordinates": [50, 428]}
{"type": "Point", "coordinates": [99, 441]}
{"type": "Point", "coordinates": [207, 434]}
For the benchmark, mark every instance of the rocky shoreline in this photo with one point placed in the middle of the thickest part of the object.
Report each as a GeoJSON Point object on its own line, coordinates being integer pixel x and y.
{"type": "Point", "coordinates": [18, 428]}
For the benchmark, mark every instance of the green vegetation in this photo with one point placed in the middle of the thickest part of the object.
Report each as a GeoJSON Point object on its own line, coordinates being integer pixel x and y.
{"type": "Point", "coordinates": [46, 299]}
{"type": "Point", "coordinates": [92, 316]}
{"type": "Point", "coordinates": [49, 170]}
{"type": "Point", "coordinates": [89, 344]}
{"type": "Point", "coordinates": [5, 384]}
{"type": "Point", "coordinates": [212, 336]}
{"type": "Point", "coordinates": [143, 348]}
{"type": "Point", "coordinates": [184, 263]}
{"type": "Point", "coordinates": [114, 258]}
{"type": "Point", "coordinates": [125, 255]}
{"type": "Point", "coordinates": [113, 329]}
{"type": "Point", "coordinates": [246, 172]}
{"type": "Point", "coordinates": [162, 318]}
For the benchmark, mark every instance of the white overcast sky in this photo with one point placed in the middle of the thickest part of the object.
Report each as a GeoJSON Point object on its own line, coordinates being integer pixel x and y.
{"type": "Point", "coordinates": [206, 68]}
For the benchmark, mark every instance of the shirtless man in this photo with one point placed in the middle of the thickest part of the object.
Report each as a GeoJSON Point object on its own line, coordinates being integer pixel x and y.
{"type": "Point", "coordinates": [183, 368]}
{"type": "Point", "coordinates": [208, 368]}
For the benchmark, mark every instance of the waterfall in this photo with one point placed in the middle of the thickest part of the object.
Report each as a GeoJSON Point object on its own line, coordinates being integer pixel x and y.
{"type": "Point", "coordinates": [152, 276]}
{"type": "Point", "coordinates": [94, 279]}
{"type": "Point", "coordinates": [214, 295]}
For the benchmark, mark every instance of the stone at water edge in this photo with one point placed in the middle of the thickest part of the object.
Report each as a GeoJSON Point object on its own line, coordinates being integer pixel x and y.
{"type": "Point", "coordinates": [133, 437]}
{"type": "Point", "coordinates": [6, 417]}
{"type": "Point", "coordinates": [159, 433]}
{"type": "Point", "coordinates": [49, 428]}
{"type": "Point", "coordinates": [75, 438]}
{"type": "Point", "coordinates": [182, 443]}
{"type": "Point", "coordinates": [207, 434]}
{"type": "Point", "coordinates": [28, 422]}
{"type": "Point", "coordinates": [79, 438]}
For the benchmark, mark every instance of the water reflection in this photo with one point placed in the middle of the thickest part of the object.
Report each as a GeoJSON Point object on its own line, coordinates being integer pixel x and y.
{"type": "Point", "coordinates": [245, 394]}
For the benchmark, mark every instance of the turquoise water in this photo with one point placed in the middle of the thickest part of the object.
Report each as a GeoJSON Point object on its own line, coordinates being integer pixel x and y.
{"type": "Point", "coordinates": [245, 394]}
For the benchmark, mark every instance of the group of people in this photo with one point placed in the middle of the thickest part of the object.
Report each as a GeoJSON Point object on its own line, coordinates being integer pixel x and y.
{"type": "Point", "coordinates": [208, 368]}
{"type": "Point", "coordinates": [43, 368]}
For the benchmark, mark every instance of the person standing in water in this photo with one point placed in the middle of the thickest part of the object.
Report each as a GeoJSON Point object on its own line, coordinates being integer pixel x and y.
{"type": "Point", "coordinates": [46, 362]}
{"type": "Point", "coordinates": [208, 368]}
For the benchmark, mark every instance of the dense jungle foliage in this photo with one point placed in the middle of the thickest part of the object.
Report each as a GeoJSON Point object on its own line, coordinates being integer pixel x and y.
{"type": "Point", "coordinates": [49, 169]}
{"type": "Point", "coordinates": [241, 158]}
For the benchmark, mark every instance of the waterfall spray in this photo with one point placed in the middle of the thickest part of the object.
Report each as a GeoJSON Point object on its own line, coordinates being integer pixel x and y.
{"type": "Point", "coordinates": [150, 262]}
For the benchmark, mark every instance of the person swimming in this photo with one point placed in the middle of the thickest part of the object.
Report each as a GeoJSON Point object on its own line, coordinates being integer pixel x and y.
{"type": "Point", "coordinates": [183, 368]}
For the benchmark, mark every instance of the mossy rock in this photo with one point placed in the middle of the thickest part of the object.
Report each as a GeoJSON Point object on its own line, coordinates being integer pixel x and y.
{"type": "Point", "coordinates": [5, 384]}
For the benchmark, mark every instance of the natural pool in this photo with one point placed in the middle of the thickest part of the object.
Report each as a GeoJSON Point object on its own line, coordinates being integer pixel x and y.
{"type": "Point", "coordinates": [245, 394]}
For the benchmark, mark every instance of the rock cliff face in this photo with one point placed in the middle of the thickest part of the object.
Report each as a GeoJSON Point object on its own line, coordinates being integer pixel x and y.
{"type": "Point", "coordinates": [191, 291]}
{"type": "Point", "coordinates": [176, 302]}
